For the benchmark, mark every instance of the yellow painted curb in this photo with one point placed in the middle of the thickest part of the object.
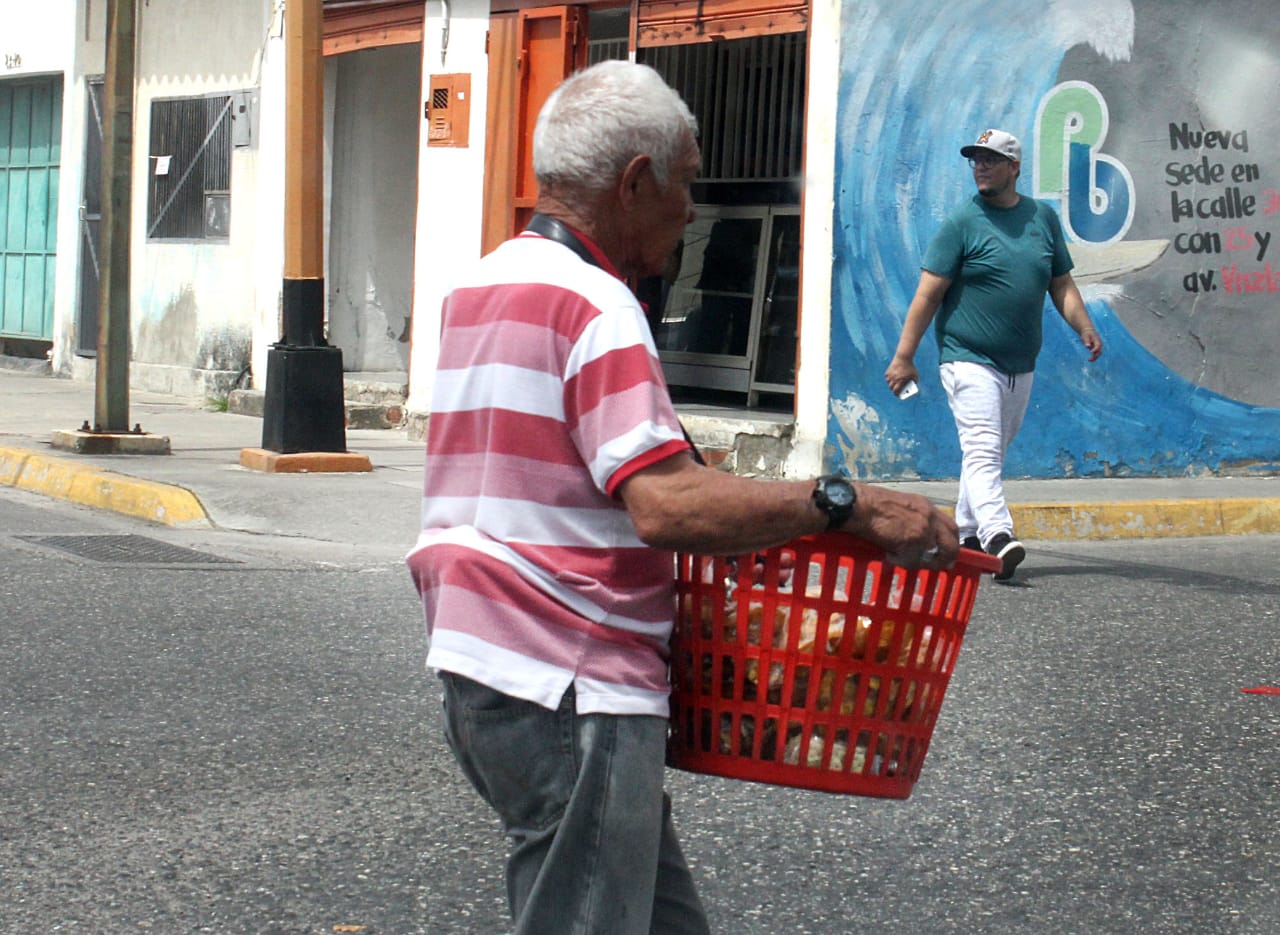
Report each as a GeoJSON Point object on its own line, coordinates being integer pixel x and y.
{"type": "Point", "coordinates": [12, 460]}
{"type": "Point", "coordinates": [104, 490]}
{"type": "Point", "coordinates": [1146, 519]}
{"type": "Point", "coordinates": [1250, 516]}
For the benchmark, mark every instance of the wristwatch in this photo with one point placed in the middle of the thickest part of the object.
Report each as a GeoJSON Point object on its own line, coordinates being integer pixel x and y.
{"type": "Point", "coordinates": [836, 497]}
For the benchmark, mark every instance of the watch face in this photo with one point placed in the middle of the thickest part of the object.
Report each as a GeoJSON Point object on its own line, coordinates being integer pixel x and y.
{"type": "Point", "coordinates": [840, 493]}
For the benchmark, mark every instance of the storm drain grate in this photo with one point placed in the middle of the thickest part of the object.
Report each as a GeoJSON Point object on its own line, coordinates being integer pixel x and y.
{"type": "Point", "coordinates": [129, 548]}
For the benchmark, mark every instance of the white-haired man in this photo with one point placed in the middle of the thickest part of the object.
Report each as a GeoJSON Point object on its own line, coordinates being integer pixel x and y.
{"type": "Point", "coordinates": [558, 482]}
{"type": "Point", "coordinates": [988, 268]}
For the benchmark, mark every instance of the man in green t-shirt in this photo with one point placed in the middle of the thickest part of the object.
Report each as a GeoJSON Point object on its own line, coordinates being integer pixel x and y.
{"type": "Point", "coordinates": [985, 275]}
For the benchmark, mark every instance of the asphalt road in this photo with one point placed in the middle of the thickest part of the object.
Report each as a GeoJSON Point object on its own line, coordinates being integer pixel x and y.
{"type": "Point", "coordinates": [191, 744]}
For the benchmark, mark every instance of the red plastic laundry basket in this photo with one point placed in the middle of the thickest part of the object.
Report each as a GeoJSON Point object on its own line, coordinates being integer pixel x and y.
{"type": "Point", "coordinates": [834, 683]}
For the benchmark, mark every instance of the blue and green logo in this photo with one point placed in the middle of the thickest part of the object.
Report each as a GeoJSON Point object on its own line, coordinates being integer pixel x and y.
{"type": "Point", "coordinates": [1094, 191]}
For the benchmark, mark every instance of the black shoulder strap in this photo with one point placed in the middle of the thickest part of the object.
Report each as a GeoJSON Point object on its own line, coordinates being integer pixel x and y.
{"type": "Point", "coordinates": [553, 229]}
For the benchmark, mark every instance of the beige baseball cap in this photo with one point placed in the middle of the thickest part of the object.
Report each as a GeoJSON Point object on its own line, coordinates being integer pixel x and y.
{"type": "Point", "coordinates": [996, 141]}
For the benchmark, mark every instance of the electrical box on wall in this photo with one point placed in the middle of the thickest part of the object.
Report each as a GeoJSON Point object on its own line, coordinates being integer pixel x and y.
{"type": "Point", "coordinates": [244, 118]}
{"type": "Point", "coordinates": [448, 110]}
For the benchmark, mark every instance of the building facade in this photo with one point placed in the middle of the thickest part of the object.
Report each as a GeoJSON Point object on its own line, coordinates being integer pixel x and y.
{"type": "Point", "coordinates": [831, 136]}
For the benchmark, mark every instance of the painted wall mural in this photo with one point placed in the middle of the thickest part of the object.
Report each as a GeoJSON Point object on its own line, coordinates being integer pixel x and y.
{"type": "Point", "coordinates": [1140, 124]}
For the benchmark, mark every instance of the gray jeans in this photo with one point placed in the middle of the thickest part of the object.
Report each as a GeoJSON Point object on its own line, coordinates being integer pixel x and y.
{"type": "Point", "coordinates": [594, 851]}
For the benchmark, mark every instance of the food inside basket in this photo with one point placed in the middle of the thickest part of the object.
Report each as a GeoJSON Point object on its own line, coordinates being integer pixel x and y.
{"type": "Point", "coordinates": [839, 752]}
{"type": "Point", "coordinates": [863, 641]}
{"type": "Point", "coordinates": [866, 743]}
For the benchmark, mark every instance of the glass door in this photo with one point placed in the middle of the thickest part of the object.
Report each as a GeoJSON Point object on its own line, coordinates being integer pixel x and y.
{"type": "Point", "coordinates": [775, 361]}
{"type": "Point", "coordinates": [704, 332]}
{"type": "Point", "coordinates": [725, 318]}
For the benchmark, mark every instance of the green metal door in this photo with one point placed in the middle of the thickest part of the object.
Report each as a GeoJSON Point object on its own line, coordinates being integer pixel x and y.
{"type": "Point", "coordinates": [30, 151]}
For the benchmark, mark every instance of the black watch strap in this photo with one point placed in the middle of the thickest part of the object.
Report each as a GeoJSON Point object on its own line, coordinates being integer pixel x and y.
{"type": "Point", "coordinates": [835, 496]}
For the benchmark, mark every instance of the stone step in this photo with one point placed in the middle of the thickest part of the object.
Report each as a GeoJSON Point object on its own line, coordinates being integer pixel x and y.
{"type": "Point", "coordinates": [246, 402]}
{"type": "Point", "coordinates": [370, 400]}
{"type": "Point", "coordinates": [376, 388]}
{"type": "Point", "coordinates": [374, 415]}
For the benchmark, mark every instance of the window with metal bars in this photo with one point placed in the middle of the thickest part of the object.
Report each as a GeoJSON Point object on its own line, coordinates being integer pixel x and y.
{"type": "Point", "coordinates": [189, 194]}
{"type": "Point", "coordinates": [748, 96]}
{"type": "Point", "coordinates": [607, 31]}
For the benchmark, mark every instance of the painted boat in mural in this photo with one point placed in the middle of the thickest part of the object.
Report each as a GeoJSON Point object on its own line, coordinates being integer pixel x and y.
{"type": "Point", "coordinates": [1100, 264]}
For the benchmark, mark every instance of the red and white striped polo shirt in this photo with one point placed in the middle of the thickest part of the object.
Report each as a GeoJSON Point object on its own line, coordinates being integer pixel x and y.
{"type": "Point", "coordinates": [548, 394]}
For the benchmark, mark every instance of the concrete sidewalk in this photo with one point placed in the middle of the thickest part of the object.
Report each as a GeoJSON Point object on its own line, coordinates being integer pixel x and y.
{"type": "Point", "coordinates": [202, 483]}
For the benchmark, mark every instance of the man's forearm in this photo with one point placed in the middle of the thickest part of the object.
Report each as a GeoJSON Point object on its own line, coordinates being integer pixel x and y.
{"type": "Point", "coordinates": [924, 305]}
{"type": "Point", "coordinates": [913, 330]}
{"type": "Point", "coordinates": [678, 505]}
{"type": "Point", "coordinates": [1070, 304]}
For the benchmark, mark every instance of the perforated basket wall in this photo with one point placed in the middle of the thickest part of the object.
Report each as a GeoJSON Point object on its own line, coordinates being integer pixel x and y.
{"type": "Point", "coordinates": [832, 681]}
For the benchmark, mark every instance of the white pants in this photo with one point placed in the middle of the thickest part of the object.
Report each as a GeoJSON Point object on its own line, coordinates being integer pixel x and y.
{"type": "Point", "coordinates": [988, 407]}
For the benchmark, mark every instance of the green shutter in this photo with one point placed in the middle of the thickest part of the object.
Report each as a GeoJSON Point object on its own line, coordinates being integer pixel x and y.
{"type": "Point", "coordinates": [30, 152]}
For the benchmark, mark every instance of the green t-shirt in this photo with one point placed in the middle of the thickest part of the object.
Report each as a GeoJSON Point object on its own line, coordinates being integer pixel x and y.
{"type": "Point", "coordinates": [1000, 262]}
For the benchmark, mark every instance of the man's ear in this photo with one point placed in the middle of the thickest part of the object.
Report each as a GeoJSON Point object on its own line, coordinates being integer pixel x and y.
{"type": "Point", "coordinates": [629, 181]}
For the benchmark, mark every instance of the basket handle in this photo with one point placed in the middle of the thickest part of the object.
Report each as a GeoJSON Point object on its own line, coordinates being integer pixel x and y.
{"type": "Point", "coordinates": [970, 558]}
{"type": "Point", "coordinates": [979, 560]}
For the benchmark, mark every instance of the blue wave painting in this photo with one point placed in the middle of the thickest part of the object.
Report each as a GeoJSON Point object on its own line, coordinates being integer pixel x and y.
{"type": "Point", "coordinates": [917, 82]}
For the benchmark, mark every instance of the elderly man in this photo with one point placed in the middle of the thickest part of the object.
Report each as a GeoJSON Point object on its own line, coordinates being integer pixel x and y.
{"type": "Point", "coordinates": [989, 268]}
{"type": "Point", "coordinates": [558, 482]}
